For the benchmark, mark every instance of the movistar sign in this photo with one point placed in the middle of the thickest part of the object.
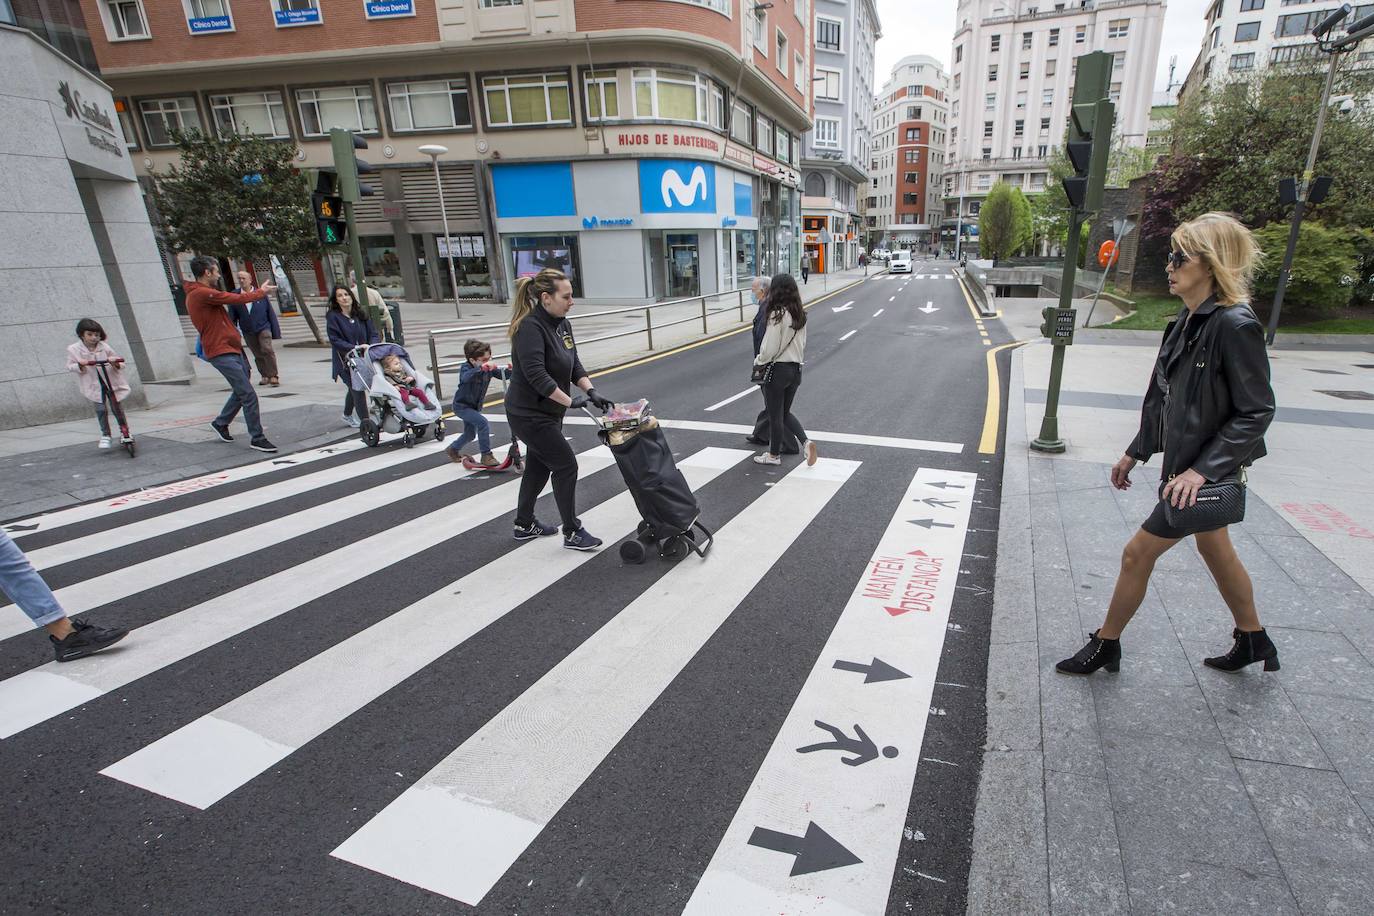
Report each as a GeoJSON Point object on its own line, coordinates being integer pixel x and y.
{"type": "Point", "coordinates": [677, 186]}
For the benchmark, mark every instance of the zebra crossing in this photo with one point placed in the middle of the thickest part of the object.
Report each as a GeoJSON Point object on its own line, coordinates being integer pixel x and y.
{"type": "Point", "coordinates": [821, 820]}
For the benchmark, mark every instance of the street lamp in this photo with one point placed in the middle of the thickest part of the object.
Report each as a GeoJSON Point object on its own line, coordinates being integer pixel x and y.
{"type": "Point", "coordinates": [434, 151]}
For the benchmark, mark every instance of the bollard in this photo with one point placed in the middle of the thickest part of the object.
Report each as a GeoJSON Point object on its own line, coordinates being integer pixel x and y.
{"type": "Point", "coordinates": [434, 369]}
{"type": "Point", "coordinates": [649, 326]}
{"type": "Point", "coordinates": [704, 328]}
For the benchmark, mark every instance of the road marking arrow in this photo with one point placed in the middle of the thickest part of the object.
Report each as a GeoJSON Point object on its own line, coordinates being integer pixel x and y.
{"type": "Point", "coordinates": [874, 673]}
{"type": "Point", "coordinates": [861, 746]}
{"type": "Point", "coordinates": [283, 462]}
{"type": "Point", "coordinates": [33, 527]}
{"type": "Point", "coordinates": [928, 308]}
{"type": "Point", "coordinates": [945, 485]}
{"type": "Point", "coordinates": [942, 503]}
{"type": "Point", "coordinates": [928, 523]}
{"type": "Point", "coordinates": [816, 851]}
{"type": "Point", "coordinates": [842, 308]}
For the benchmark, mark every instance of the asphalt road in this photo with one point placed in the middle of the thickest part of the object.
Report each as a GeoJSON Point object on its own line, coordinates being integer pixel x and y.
{"type": "Point", "coordinates": [351, 692]}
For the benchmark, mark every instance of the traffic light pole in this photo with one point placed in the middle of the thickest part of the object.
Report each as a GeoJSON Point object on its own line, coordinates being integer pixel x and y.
{"type": "Point", "coordinates": [1048, 440]}
{"type": "Point", "coordinates": [355, 253]}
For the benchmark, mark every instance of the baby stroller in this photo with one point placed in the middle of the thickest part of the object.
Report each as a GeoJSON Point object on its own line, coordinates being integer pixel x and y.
{"type": "Point", "coordinates": [670, 516]}
{"type": "Point", "coordinates": [386, 412]}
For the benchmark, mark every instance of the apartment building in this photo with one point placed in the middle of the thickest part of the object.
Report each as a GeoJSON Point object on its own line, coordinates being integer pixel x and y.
{"type": "Point", "coordinates": [1012, 73]}
{"type": "Point", "coordinates": [649, 148]}
{"type": "Point", "coordinates": [835, 153]}
{"type": "Point", "coordinates": [911, 116]}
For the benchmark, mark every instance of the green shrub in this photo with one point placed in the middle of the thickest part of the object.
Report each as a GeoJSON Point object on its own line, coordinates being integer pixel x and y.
{"type": "Point", "coordinates": [1326, 264]}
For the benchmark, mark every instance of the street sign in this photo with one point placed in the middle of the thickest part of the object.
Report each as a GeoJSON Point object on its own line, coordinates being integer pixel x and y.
{"type": "Point", "coordinates": [1064, 323]}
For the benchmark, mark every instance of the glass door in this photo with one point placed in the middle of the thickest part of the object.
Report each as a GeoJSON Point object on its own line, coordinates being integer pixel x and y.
{"type": "Point", "coordinates": [684, 265]}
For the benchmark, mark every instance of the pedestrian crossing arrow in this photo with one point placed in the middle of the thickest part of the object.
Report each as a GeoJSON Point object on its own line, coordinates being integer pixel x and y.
{"type": "Point", "coordinates": [942, 503]}
{"type": "Point", "coordinates": [283, 462]}
{"type": "Point", "coordinates": [878, 671]}
{"type": "Point", "coordinates": [14, 528]}
{"type": "Point", "coordinates": [944, 485]}
{"type": "Point", "coordinates": [929, 523]}
{"type": "Point", "coordinates": [816, 851]}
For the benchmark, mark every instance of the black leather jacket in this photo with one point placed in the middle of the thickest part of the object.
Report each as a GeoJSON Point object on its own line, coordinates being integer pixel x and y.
{"type": "Point", "coordinates": [1209, 401]}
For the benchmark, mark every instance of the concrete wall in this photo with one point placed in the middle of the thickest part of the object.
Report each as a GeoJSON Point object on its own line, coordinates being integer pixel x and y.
{"type": "Point", "coordinates": [613, 265]}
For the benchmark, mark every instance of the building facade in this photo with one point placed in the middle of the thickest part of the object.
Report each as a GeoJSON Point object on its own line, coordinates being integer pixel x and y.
{"type": "Point", "coordinates": [836, 152]}
{"type": "Point", "coordinates": [650, 148]}
{"type": "Point", "coordinates": [911, 114]}
{"type": "Point", "coordinates": [1012, 73]}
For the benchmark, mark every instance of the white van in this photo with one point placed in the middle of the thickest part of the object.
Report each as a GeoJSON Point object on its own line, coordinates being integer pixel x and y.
{"type": "Point", "coordinates": [900, 263]}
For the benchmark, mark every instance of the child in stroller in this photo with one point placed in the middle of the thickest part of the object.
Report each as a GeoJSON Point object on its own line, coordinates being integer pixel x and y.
{"type": "Point", "coordinates": [400, 398]}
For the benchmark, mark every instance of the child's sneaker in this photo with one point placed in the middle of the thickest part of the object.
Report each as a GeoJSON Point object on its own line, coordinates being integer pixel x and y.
{"type": "Point", "coordinates": [489, 460]}
{"type": "Point", "coordinates": [455, 455]}
{"type": "Point", "coordinates": [104, 442]}
{"type": "Point", "coordinates": [534, 530]}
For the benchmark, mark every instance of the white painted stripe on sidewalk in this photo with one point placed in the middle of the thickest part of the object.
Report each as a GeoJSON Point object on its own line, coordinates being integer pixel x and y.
{"type": "Point", "coordinates": [29, 698]}
{"type": "Point", "coordinates": [844, 337]}
{"type": "Point", "coordinates": [77, 548]}
{"type": "Point", "coordinates": [897, 615]}
{"type": "Point", "coordinates": [879, 312]}
{"type": "Point", "coordinates": [130, 580]}
{"type": "Point", "coordinates": [734, 397]}
{"type": "Point", "coordinates": [213, 756]}
{"type": "Point", "coordinates": [152, 495]}
{"type": "Point", "coordinates": [460, 827]}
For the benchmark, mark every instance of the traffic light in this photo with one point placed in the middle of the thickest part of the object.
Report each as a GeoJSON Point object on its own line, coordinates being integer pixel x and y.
{"type": "Point", "coordinates": [1090, 131]}
{"type": "Point", "coordinates": [1047, 326]}
{"type": "Point", "coordinates": [328, 207]}
{"type": "Point", "coordinates": [348, 166]}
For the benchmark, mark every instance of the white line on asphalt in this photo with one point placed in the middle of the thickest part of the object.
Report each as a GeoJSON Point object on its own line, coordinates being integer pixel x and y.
{"type": "Point", "coordinates": [849, 335]}
{"type": "Point", "coordinates": [734, 397]}
{"type": "Point", "coordinates": [464, 823]}
{"type": "Point", "coordinates": [892, 299]}
{"type": "Point", "coordinates": [204, 761]}
{"type": "Point", "coordinates": [878, 312]}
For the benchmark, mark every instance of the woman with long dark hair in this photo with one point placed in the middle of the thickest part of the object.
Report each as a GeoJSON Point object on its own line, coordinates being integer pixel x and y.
{"type": "Point", "coordinates": [780, 356]}
{"type": "Point", "coordinates": [349, 327]}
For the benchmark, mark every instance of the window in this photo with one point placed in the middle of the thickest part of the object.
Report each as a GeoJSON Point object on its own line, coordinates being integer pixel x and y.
{"type": "Point", "coordinates": [911, 177]}
{"type": "Point", "coordinates": [992, 73]}
{"type": "Point", "coordinates": [760, 25]}
{"type": "Point", "coordinates": [763, 134]}
{"type": "Point", "coordinates": [1119, 61]}
{"type": "Point", "coordinates": [1020, 100]}
{"type": "Point", "coordinates": [1299, 23]}
{"type": "Point", "coordinates": [1080, 34]}
{"type": "Point", "coordinates": [827, 132]}
{"type": "Point", "coordinates": [162, 116]}
{"type": "Point", "coordinates": [349, 107]}
{"type": "Point", "coordinates": [741, 124]}
{"type": "Point", "coordinates": [957, 78]}
{"type": "Point", "coordinates": [996, 44]}
{"type": "Point", "coordinates": [1247, 31]}
{"type": "Point", "coordinates": [430, 105]}
{"type": "Point", "coordinates": [987, 130]}
{"type": "Point", "coordinates": [913, 112]}
{"type": "Point", "coordinates": [1026, 39]}
{"type": "Point", "coordinates": [489, 4]}
{"type": "Point", "coordinates": [297, 12]}
{"type": "Point", "coordinates": [1050, 67]}
{"type": "Point", "coordinates": [1020, 130]}
{"type": "Point", "coordinates": [676, 95]}
{"type": "Point", "coordinates": [913, 135]}
{"type": "Point", "coordinates": [959, 54]}
{"type": "Point", "coordinates": [990, 102]}
{"type": "Point", "coordinates": [1243, 61]}
{"type": "Point", "coordinates": [1117, 28]}
{"type": "Point", "coordinates": [259, 113]}
{"type": "Point", "coordinates": [1025, 70]}
{"type": "Point", "coordinates": [1044, 125]}
{"type": "Point", "coordinates": [782, 138]}
{"type": "Point", "coordinates": [799, 73]}
{"type": "Point", "coordinates": [827, 85]}
{"type": "Point", "coordinates": [126, 123]}
{"type": "Point", "coordinates": [720, 6]}
{"type": "Point", "coordinates": [1216, 36]}
{"type": "Point", "coordinates": [782, 53]}
{"type": "Point", "coordinates": [1291, 53]}
{"type": "Point", "coordinates": [1114, 92]}
{"type": "Point", "coordinates": [601, 95]}
{"type": "Point", "coordinates": [1043, 151]}
{"type": "Point", "coordinates": [828, 34]}
{"type": "Point", "coordinates": [208, 9]}
{"type": "Point", "coordinates": [1054, 38]}
{"type": "Point", "coordinates": [126, 20]}
{"type": "Point", "coordinates": [1248, 5]}
{"type": "Point", "coordinates": [1047, 97]}
{"type": "Point", "coordinates": [913, 156]}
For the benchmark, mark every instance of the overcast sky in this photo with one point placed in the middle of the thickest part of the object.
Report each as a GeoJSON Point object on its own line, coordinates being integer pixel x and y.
{"type": "Point", "coordinates": [926, 27]}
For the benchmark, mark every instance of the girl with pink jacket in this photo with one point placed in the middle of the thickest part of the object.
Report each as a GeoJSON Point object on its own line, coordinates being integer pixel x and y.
{"type": "Point", "coordinates": [91, 346]}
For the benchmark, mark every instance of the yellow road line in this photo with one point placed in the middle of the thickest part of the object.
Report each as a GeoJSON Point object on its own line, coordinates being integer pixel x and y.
{"type": "Point", "coordinates": [992, 416]}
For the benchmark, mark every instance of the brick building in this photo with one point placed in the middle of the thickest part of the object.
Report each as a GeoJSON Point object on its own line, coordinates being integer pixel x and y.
{"type": "Point", "coordinates": [911, 118]}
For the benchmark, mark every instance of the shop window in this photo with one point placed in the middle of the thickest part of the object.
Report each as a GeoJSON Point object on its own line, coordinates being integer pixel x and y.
{"type": "Point", "coordinates": [471, 267]}
{"type": "Point", "coordinates": [532, 253]}
{"type": "Point", "coordinates": [162, 116]}
{"type": "Point", "coordinates": [536, 98]}
{"type": "Point", "coordinates": [349, 107]}
{"type": "Point", "coordinates": [429, 105]}
{"type": "Point", "coordinates": [125, 20]}
{"type": "Point", "coordinates": [261, 114]}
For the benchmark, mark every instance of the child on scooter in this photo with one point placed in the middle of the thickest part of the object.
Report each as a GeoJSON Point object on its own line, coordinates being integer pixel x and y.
{"type": "Point", "coordinates": [91, 346]}
{"type": "Point", "coordinates": [473, 378]}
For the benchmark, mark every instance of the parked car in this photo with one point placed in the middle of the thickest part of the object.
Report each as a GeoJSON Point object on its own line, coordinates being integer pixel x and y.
{"type": "Point", "coordinates": [900, 263]}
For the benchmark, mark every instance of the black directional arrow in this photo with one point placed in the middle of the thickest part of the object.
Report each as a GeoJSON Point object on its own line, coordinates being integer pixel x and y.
{"type": "Point", "coordinates": [33, 527]}
{"type": "Point", "coordinates": [283, 462]}
{"type": "Point", "coordinates": [861, 746]}
{"type": "Point", "coordinates": [942, 503]}
{"type": "Point", "coordinates": [928, 523]}
{"type": "Point", "coordinates": [878, 671]}
{"type": "Point", "coordinates": [817, 851]}
{"type": "Point", "coordinates": [943, 485]}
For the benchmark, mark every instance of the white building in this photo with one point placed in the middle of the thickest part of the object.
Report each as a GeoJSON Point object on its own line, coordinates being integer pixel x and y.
{"type": "Point", "coordinates": [911, 118]}
{"type": "Point", "coordinates": [836, 151]}
{"type": "Point", "coordinates": [1012, 85]}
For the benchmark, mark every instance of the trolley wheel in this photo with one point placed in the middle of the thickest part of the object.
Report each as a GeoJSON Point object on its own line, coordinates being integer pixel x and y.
{"type": "Point", "coordinates": [439, 430]}
{"type": "Point", "coordinates": [129, 446]}
{"type": "Point", "coordinates": [632, 552]}
{"type": "Point", "coordinates": [410, 438]}
{"type": "Point", "coordinates": [370, 433]}
{"type": "Point", "coordinates": [673, 548]}
{"type": "Point", "coordinates": [645, 533]}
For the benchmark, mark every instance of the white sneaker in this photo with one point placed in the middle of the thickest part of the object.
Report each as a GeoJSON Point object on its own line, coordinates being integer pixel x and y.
{"type": "Point", "coordinates": [809, 450]}
{"type": "Point", "coordinates": [765, 458]}
{"type": "Point", "coordinates": [104, 442]}
{"type": "Point", "coordinates": [352, 420]}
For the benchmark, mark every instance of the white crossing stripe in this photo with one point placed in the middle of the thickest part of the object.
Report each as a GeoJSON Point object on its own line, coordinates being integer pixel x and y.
{"type": "Point", "coordinates": [878, 312]}
{"type": "Point", "coordinates": [211, 757]}
{"type": "Point", "coordinates": [844, 762]}
{"type": "Point", "coordinates": [849, 335]}
{"type": "Point", "coordinates": [734, 397]}
{"type": "Point", "coordinates": [40, 693]}
{"type": "Point", "coordinates": [461, 826]}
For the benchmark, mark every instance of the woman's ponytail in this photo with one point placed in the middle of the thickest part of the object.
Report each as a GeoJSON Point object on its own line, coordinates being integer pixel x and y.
{"type": "Point", "coordinates": [527, 293]}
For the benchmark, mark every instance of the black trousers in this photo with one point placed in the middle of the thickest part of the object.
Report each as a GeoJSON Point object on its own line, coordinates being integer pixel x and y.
{"type": "Point", "coordinates": [790, 446]}
{"type": "Point", "coordinates": [547, 455]}
{"type": "Point", "coordinates": [778, 394]}
{"type": "Point", "coordinates": [355, 402]}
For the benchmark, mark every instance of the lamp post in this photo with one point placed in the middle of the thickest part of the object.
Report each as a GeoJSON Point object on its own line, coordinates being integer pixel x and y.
{"type": "Point", "coordinates": [434, 151]}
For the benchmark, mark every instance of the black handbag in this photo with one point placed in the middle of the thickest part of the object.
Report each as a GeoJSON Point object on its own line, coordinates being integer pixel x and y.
{"type": "Point", "coordinates": [762, 375]}
{"type": "Point", "coordinates": [1218, 504]}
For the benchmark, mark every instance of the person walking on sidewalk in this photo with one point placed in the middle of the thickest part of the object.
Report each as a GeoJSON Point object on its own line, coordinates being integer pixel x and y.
{"type": "Point", "coordinates": [1208, 405]}
{"type": "Point", "coordinates": [806, 267]}
{"type": "Point", "coordinates": [348, 327]}
{"type": "Point", "coordinates": [71, 637]}
{"type": "Point", "coordinates": [545, 368]}
{"type": "Point", "coordinates": [780, 359]}
{"type": "Point", "coordinates": [474, 377]}
{"type": "Point", "coordinates": [258, 323]}
{"type": "Point", "coordinates": [206, 304]}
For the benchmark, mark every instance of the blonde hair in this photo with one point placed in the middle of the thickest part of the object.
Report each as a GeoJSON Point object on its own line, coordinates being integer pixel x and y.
{"type": "Point", "coordinates": [1227, 247]}
{"type": "Point", "coordinates": [527, 293]}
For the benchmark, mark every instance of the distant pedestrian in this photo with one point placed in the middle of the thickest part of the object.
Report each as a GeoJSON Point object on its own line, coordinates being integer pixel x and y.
{"type": "Point", "coordinates": [220, 340]}
{"type": "Point", "coordinates": [71, 637]}
{"type": "Point", "coordinates": [474, 377]}
{"type": "Point", "coordinates": [806, 267]}
{"type": "Point", "coordinates": [91, 346]}
{"type": "Point", "coordinates": [375, 303]}
{"type": "Point", "coordinates": [258, 323]}
{"type": "Point", "coordinates": [759, 293]}
{"type": "Point", "coordinates": [546, 367]}
{"type": "Point", "coordinates": [1214, 364]}
{"type": "Point", "coordinates": [863, 259]}
{"type": "Point", "coordinates": [781, 354]}
{"type": "Point", "coordinates": [348, 326]}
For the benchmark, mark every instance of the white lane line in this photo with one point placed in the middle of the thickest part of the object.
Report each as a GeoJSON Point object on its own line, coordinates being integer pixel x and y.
{"type": "Point", "coordinates": [856, 793]}
{"type": "Point", "coordinates": [460, 827]}
{"type": "Point", "coordinates": [878, 312]}
{"type": "Point", "coordinates": [734, 397]}
{"type": "Point", "coordinates": [707, 426]}
{"type": "Point", "coordinates": [64, 517]}
{"type": "Point", "coordinates": [90, 594]}
{"type": "Point", "coordinates": [40, 693]}
{"type": "Point", "coordinates": [891, 298]}
{"type": "Point", "coordinates": [77, 548]}
{"type": "Point", "coordinates": [849, 335]}
{"type": "Point", "coordinates": [204, 761]}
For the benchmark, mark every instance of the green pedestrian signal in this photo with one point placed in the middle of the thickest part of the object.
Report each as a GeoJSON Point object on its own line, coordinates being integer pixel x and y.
{"type": "Point", "coordinates": [330, 223]}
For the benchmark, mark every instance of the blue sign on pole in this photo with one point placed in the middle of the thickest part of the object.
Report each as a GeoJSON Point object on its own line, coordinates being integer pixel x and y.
{"type": "Point", "coordinates": [307, 16]}
{"type": "Point", "coordinates": [386, 9]}
{"type": "Point", "coordinates": [205, 25]}
{"type": "Point", "coordinates": [677, 186]}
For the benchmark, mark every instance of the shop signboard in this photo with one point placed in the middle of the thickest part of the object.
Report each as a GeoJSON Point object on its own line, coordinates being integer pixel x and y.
{"type": "Point", "coordinates": [676, 186]}
{"type": "Point", "coordinates": [388, 9]}
{"type": "Point", "coordinates": [309, 15]}
{"type": "Point", "coordinates": [208, 25]}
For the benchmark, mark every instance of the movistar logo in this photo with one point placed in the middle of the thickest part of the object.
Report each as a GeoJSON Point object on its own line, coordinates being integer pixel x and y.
{"type": "Point", "coordinates": [684, 192]}
{"type": "Point", "coordinates": [589, 222]}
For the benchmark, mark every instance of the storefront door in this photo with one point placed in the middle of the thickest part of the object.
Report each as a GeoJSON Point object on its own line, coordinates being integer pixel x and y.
{"type": "Point", "coordinates": [684, 264]}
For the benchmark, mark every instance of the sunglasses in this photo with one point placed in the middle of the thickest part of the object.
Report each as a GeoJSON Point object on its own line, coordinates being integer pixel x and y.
{"type": "Point", "coordinates": [1177, 259]}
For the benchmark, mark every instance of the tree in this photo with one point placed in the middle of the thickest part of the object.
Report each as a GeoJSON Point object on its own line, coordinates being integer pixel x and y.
{"type": "Point", "coordinates": [1023, 232]}
{"type": "Point", "coordinates": [1326, 264]}
{"type": "Point", "coordinates": [997, 223]}
{"type": "Point", "coordinates": [237, 196]}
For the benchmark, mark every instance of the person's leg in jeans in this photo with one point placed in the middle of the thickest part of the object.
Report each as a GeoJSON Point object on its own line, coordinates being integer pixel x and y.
{"type": "Point", "coordinates": [102, 416]}
{"type": "Point", "coordinates": [475, 426]}
{"type": "Point", "coordinates": [26, 588]}
{"type": "Point", "coordinates": [234, 368]}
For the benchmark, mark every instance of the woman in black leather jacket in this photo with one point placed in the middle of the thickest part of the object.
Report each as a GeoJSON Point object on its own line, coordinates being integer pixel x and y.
{"type": "Point", "coordinates": [1207, 408]}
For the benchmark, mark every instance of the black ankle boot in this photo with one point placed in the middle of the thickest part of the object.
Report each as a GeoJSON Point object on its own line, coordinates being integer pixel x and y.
{"type": "Point", "coordinates": [1098, 653]}
{"type": "Point", "coordinates": [1248, 649]}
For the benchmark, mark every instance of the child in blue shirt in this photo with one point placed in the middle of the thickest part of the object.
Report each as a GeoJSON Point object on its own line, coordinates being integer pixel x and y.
{"type": "Point", "coordinates": [473, 378]}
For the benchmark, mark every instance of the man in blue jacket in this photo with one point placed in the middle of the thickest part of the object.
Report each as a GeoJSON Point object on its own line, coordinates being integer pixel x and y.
{"type": "Point", "coordinates": [257, 322]}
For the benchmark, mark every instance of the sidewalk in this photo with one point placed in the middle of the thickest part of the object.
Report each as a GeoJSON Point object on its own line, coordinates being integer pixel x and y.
{"type": "Point", "coordinates": [1170, 786]}
{"type": "Point", "coordinates": [46, 467]}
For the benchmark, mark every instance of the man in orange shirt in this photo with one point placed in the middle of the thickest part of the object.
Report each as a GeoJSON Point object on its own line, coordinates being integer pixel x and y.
{"type": "Point", "coordinates": [223, 347]}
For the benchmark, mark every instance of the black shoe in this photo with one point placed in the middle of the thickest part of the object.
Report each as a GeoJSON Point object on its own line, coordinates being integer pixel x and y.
{"type": "Point", "coordinates": [86, 639]}
{"type": "Point", "coordinates": [534, 530]}
{"type": "Point", "coordinates": [262, 445]}
{"type": "Point", "coordinates": [1248, 649]}
{"type": "Point", "coordinates": [222, 432]}
{"type": "Point", "coordinates": [755, 440]}
{"type": "Point", "coordinates": [1098, 653]}
{"type": "Point", "coordinates": [581, 539]}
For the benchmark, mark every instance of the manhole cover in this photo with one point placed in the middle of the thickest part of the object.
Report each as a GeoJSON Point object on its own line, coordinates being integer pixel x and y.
{"type": "Point", "coordinates": [1349, 395]}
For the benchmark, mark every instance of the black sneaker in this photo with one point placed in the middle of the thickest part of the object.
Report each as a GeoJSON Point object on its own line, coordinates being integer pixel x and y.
{"type": "Point", "coordinates": [581, 539]}
{"type": "Point", "coordinates": [262, 445]}
{"type": "Point", "coordinates": [755, 440]}
{"type": "Point", "coordinates": [222, 432]}
{"type": "Point", "coordinates": [87, 639]}
{"type": "Point", "coordinates": [534, 530]}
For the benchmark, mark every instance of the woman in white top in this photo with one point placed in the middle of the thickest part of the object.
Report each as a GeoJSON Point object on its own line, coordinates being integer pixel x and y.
{"type": "Point", "coordinates": [784, 344]}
